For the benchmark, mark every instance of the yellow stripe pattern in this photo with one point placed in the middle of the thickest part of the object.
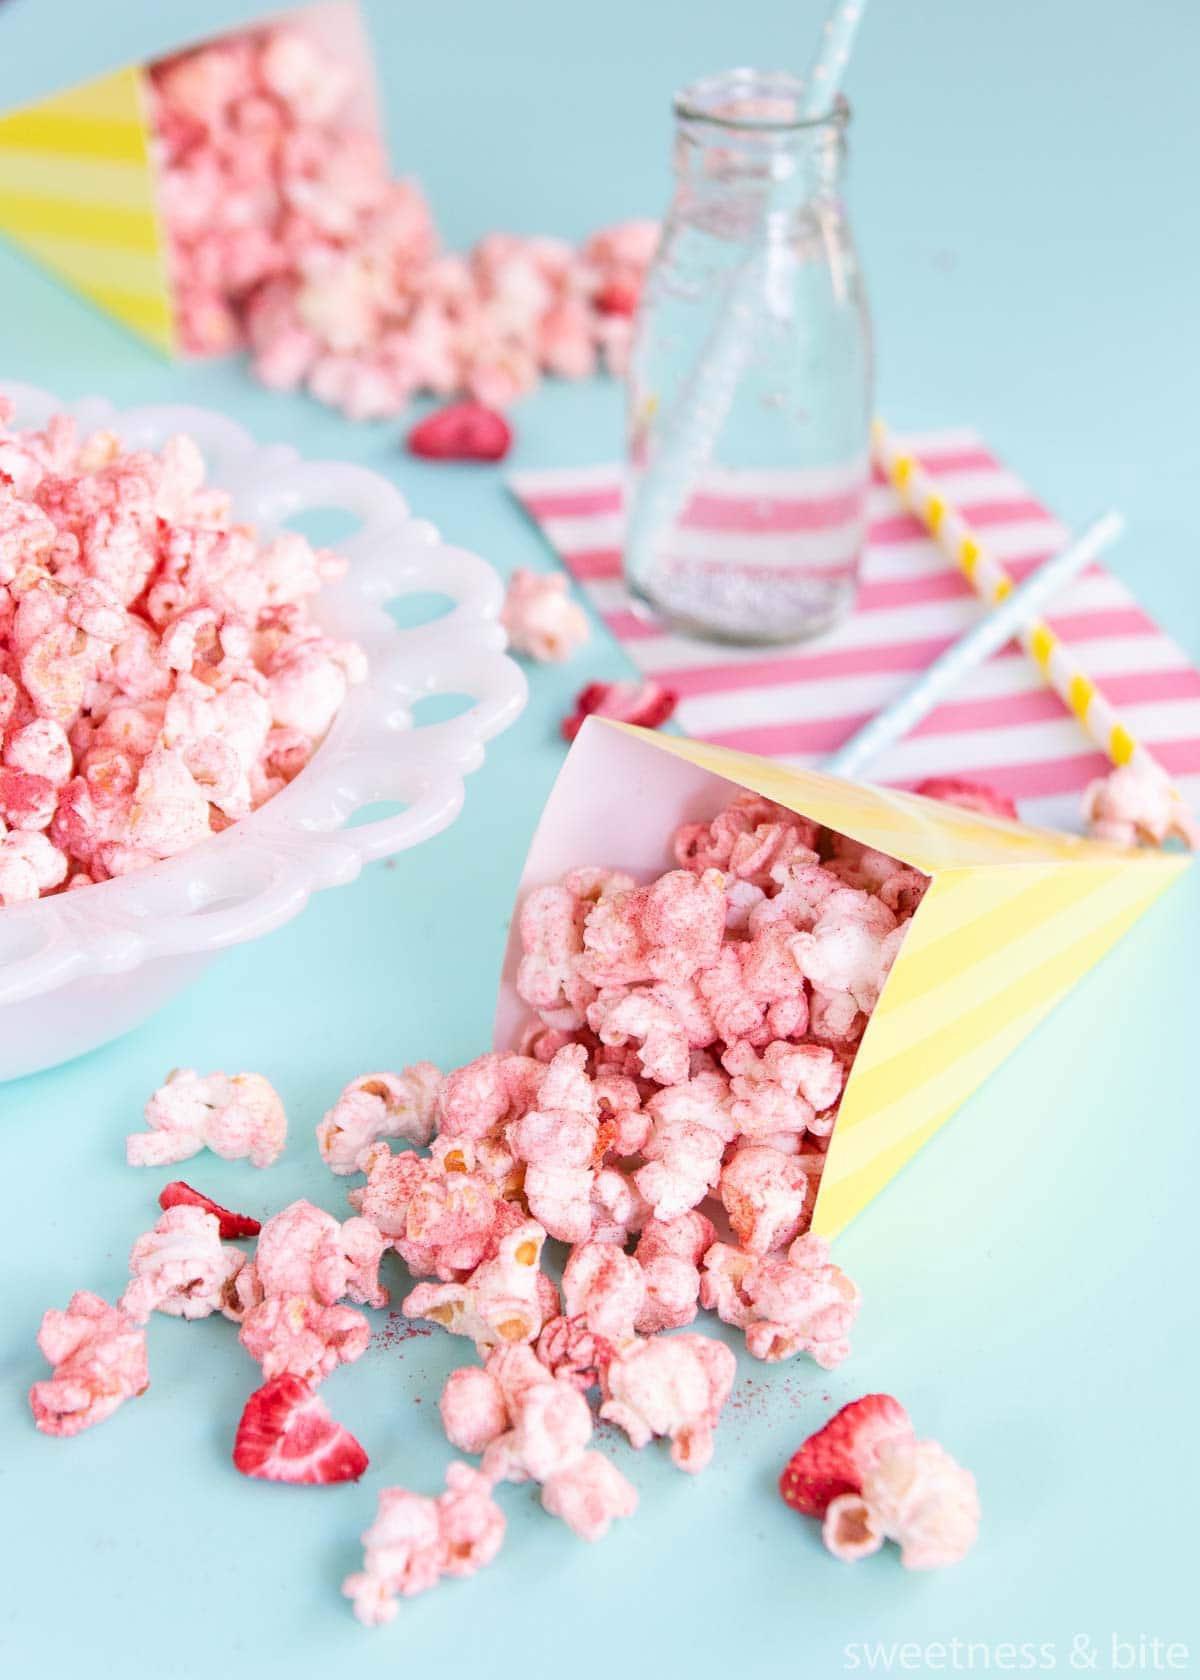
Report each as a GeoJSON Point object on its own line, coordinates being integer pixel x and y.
{"type": "Point", "coordinates": [1121, 744]}
{"type": "Point", "coordinates": [1014, 916]}
{"type": "Point", "coordinates": [77, 193]}
{"type": "Point", "coordinates": [1042, 643]}
{"type": "Point", "coordinates": [1079, 694]}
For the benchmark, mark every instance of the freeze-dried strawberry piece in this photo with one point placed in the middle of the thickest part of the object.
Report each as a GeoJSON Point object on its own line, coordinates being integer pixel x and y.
{"type": "Point", "coordinates": [972, 796]}
{"type": "Point", "coordinates": [645, 703]}
{"type": "Point", "coordinates": [835, 1460]}
{"type": "Point", "coordinates": [617, 297]}
{"type": "Point", "coordinates": [286, 1434]}
{"type": "Point", "coordinates": [179, 1194]}
{"type": "Point", "coordinates": [465, 431]}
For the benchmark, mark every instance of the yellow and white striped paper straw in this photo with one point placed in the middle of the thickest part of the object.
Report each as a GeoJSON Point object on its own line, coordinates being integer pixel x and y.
{"type": "Point", "coordinates": [992, 583]}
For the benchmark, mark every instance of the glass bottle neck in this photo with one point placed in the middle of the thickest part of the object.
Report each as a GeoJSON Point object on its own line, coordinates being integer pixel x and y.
{"type": "Point", "coordinates": [742, 138]}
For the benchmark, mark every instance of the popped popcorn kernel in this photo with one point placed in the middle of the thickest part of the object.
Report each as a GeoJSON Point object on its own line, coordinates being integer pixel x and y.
{"type": "Point", "coordinates": [541, 619]}
{"type": "Point", "coordinates": [799, 1302]}
{"type": "Point", "coordinates": [917, 1496]}
{"type": "Point", "coordinates": [235, 1116]}
{"type": "Point", "coordinates": [99, 1359]}
{"type": "Point", "coordinates": [297, 1336]}
{"type": "Point", "coordinates": [672, 1386]}
{"type": "Point", "coordinates": [1134, 805]}
{"type": "Point", "coordinates": [505, 1299]}
{"type": "Point", "coordinates": [415, 1540]}
{"type": "Point", "coordinates": [379, 1105]}
{"type": "Point", "coordinates": [181, 1267]}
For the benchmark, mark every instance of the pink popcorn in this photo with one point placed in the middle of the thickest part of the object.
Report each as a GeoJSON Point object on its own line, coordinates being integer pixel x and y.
{"type": "Point", "coordinates": [588, 1495]}
{"type": "Point", "coordinates": [624, 1124]}
{"type": "Point", "coordinates": [473, 1408]}
{"type": "Point", "coordinates": [182, 1267]}
{"type": "Point", "coordinates": [669, 930]}
{"type": "Point", "coordinates": [618, 1208]}
{"type": "Point", "coordinates": [442, 1218]}
{"type": "Point", "coordinates": [29, 866]}
{"type": "Point", "coordinates": [691, 1126]}
{"type": "Point", "coordinates": [604, 1286]}
{"type": "Point", "coordinates": [558, 1141]}
{"type": "Point", "coordinates": [1136, 805]}
{"type": "Point", "coordinates": [478, 1099]}
{"type": "Point", "coordinates": [296, 1334]}
{"type": "Point", "coordinates": [235, 1116]}
{"type": "Point", "coordinates": [415, 1540]}
{"type": "Point", "coordinates": [285, 230]}
{"type": "Point", "coordinates": [305, 1251]}
{"type": "Point", "coordinates": [570, 1349]}
{"type": "Point", "coordinates": [145, 642]}
{"type": "Point", "coordinates": [786, 1305]}
{"type": "Point", "coordinates": [471, 1523]}
{"type": "Point", "coordinates": [541, 619]}
{"type": "Point", "coordinates": [505, 1299]}
{"type": "Point", "coordinates": [40, 748]}
{"type": "Point", "coordinates": [784, 1089]}
{"type": "Point", "coordinates": [669, 1252]}
{"type": "Point", "coordinates": [551, 926]}
{"type": "Point", "coordinates": [550, 1426]}
{"type": "Point", "coordinates": [379, 1105]}
{"type": "Point", "coordinates": [545, 1439]}
{"type": "Point", "coordinates": [99, 1359]}
{"type": "Point", "coordinates": [402, 1556]}
{"type": "Point", "coordinates": [914, 1494]}
{"type": "Point", "coordinates": [701, 846]}
{"type": "Point", "coordinates": [622, 1015]}
{"type": "Point", "coordinates": [764, 1193]}
{"type": "Point", "coordinates": [851, 947]}
{"type": "Point", "coordinates": [672, 1386]}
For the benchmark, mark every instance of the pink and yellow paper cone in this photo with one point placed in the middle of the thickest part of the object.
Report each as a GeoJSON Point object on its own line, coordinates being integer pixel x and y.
{"type": "Point", "coordinates": [77, 184]}
{"type": "Point", "coordinates": [1013, 918]}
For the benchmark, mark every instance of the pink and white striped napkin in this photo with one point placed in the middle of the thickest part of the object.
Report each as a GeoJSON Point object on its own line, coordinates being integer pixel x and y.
{"type": "Point", "coordinates": [798, 704]}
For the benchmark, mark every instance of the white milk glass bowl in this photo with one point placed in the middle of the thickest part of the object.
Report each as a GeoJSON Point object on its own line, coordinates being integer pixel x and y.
{"type": "Point", "coordinates": [80, 968]}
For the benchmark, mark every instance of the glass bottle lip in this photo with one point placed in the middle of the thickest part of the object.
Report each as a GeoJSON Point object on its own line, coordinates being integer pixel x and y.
{"type": "Point", "coordinates": [713, 102]}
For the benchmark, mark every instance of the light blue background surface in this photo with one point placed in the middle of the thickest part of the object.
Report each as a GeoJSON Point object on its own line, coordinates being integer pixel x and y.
{"type": "Point", "coordinates": [1023, 194]}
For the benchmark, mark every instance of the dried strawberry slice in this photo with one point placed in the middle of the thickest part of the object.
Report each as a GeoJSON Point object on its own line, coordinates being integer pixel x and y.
{"type": "Point", "coordinates": [287, 1434]}
{"type": "Point", "coordinates": [179, 1194]}
{"type": "Point", "coordinates": [465, 431]}
{"type": "Point", "coordinates": [645, 703]}
{"type": "Point", "coordinates": [972, 796]}
{"type": "Point", "coordinates": [835, 1459]}
{"type": "Point", "coordinates": [617, 297]}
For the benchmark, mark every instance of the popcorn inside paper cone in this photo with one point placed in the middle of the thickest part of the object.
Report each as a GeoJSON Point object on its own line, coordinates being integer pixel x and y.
{"type": "Point", "coordinates": [236, 194]}
{"type": "Point", "coordinates": [989, 923]}
{"type": "Point", "coordinates": [84, 191]}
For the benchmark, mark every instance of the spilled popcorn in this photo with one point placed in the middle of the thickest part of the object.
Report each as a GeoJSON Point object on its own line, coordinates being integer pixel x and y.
{"type": "Point", "coordinates": [287, 236]}
{"type": "Point", "coordinates": [665, 1118]}
{"type": "Point", "coordinates": [160, 673]}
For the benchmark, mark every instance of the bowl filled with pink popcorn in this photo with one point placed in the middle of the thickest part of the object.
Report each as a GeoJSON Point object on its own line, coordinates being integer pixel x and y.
{"type": "Point", "coordinates": [195, 701]}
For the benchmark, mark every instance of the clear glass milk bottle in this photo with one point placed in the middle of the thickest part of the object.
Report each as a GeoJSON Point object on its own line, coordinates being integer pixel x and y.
{"type": "Point", "coordinates": [750, 375]}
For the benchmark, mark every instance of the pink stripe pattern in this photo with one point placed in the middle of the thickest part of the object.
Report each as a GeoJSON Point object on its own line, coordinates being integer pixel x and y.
{"type": "Point", "coordinates": [802, 703]}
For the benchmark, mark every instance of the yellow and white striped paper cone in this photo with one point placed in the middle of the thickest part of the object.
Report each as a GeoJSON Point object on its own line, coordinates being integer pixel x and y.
{"type": "Point", "coordinates": [992, 583]}
{"type": "Point", "coordinates": [1013, 917]}
{"type": "Point", "coordinates": [77, 192]}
